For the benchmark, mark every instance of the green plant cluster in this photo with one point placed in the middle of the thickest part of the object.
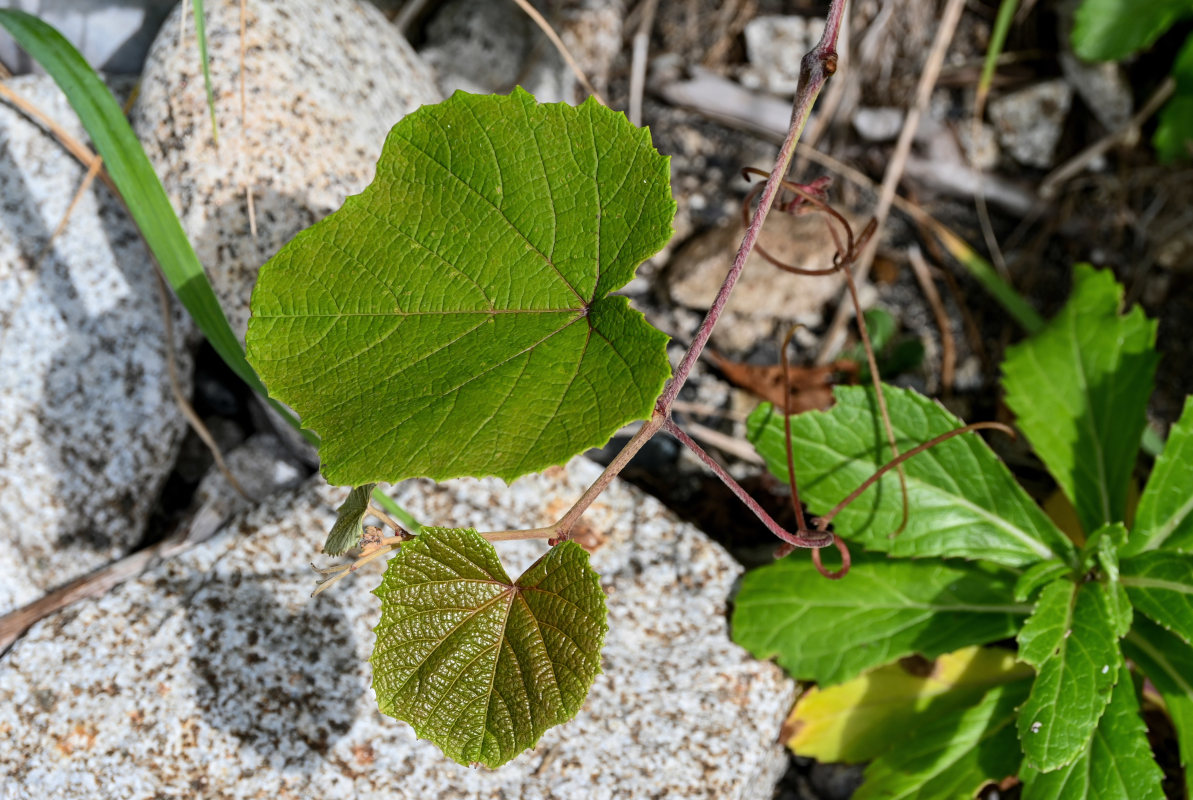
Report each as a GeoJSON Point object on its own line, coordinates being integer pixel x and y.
{"type": "Point", "coordinates": [1111, 30]}
{"type": "Point", "coordinates": [979, 562]}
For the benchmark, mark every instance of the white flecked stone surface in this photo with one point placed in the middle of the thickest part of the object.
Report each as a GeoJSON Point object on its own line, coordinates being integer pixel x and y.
{"type": "Point", "coordinates": [88, 425]}
{"type": "Point", "coordinates": [1029, 122]}
{"type": "Point", "coordinates": [325, 82]}
{"type": "Point", "coordinates": [217, 675]}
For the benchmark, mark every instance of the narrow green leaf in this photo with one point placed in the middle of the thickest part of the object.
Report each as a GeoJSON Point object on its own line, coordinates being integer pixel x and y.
{"type": "Point", "coordinates": [964, 502]}
{"type": "Point", "coordinates": [134, 177]}
{"type": "Point", "coordinates": [1168, 664]}
{"type": "Point", "coordinates": [479, 664]}
{"type": "Point", "coordinates": [1101, 549]}
{"type": "Point", "coordinates": [455, 318]}
{"type": "Point", "coordinates": [1117, 764]}
{"type": "Point", "coordinates": [831, 631]}
{"type": "Point", "coordinates": [1164, 517]}
{"type": "Point", "coordinates": [998, 40]}
{"type": "Point", "coordinates": [1109, 30]}
{"type": "Point", "coordinates": [1080, 388]}
{"type": "Point", "coordinates": [201, 36]}
{"type": "Point", "coordinates": [1160, 584]}
{"type": "Point", "coordinates": [863, 718]}
{"type": "Point", "coordinates": [347, 530]}
{"type": "Point", "coordinates": [386, 504]}
{"type": "Point", "coordinates": [1173, 139]}
{"type": "Point", "coordinates": [1072, 642]}
{"type": "Point", "coordinates": [952, 756]}
{"type": "Point", "coordinates": [1038, 575]}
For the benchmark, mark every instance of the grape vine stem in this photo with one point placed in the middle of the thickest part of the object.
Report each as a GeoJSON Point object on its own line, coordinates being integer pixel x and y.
{"type": "Point", "coordinates": [816, 67]}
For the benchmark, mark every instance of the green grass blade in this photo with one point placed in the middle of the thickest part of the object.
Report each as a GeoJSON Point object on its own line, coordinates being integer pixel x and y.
{"type": "Point", "coordinates": [396, 511]}
{"type": "Point", "coordinates": [201, 35]}
{"type": "Point", "coordinates": [998, 40]}
{"type": "Point", "coordinates": [133, 175]}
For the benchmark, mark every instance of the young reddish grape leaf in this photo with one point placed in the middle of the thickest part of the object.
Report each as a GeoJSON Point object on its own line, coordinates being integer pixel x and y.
{"type": "Point", "coordinates": [1116, 764]}
{"type": "Point", "coordinates": [1164, 518]}
{"type": "Point", "coordinates": [964, 502]}
{"type": "Point", "coordinates": [1110, 30]}
{"type": "Point", "coordinates": [477, 663]}
{"type": "Point", "coordinates": [347, 530]}
{"type": "Point", "coordinates": [1072, 641]}
{"type": "Point", "coordinates": [1168, 664]}
{"type": "Point", "coordinates": [1173, 139]}
{"type": "Point", "coordinates": [1079, 388]}
{"type": "Point", "coordinates": [831, 631]}
{"type": "Point", "coordinates": [1037, 576]}
{"type": "Point", "coordinates": [953, 755]}
{"type": "Point", "coordinates": [1160, 584]}
{"type": "Point", "coordinates": [861, 719]}
{"type": "Point", "coordinates": [455, 318]}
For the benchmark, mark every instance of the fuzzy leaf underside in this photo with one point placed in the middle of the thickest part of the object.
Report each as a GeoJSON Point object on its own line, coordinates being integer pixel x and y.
{"type": "Point", "coordinates": [1164, 518]}
{"type": "Point", "coordinates": [831, 631]}
{"type": "Point", "coordinates": [953, 755]}
{"type": "Point", "coordinates": [1116, 764]}
{"type": "Point", "coordinates": [1072, 641]}
{"type": "Point", "coordinates": [477, 663]}
{"type": "Point", "coordinates": [861, 719]}
{"type": "Point", "coordinates": [454, 318]}
{"type": "Point", "coordinates": [963, 500]}
{"type": "Point", "coordinates": [1108, 30]}
{"type": "Point", "coordinates": [1160, 584]}
{"type": "Point", "coordinates": [1079, 389]}
{"type": "Point", "coordinates": [347, 530]}
{"type": "Point", "coordinates": [1168, 664]}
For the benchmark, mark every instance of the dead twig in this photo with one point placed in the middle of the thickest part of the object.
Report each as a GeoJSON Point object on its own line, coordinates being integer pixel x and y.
{"type": "Point", "coordinates": [1127, 133]}
{"type": "Point", "coordinates": [832, 340]}
{"type": "Point", "coordinates": [948, 347]}
{"type": "Point", "coordinates": [541, 21]}
{"type": "Point", "coordinates": [640, 50]}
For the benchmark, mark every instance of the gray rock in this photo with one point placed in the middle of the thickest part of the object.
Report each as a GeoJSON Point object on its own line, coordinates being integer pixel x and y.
{"type": "Point", "coordinates": [325, 82]}
{"type": "Point", "coordinates": [113, 35]}
{"type": "Point", "coordinates": [1029, 122]}
{"type": "Point", "coordinates": [87, 419]}
{"type": "Point", "coordinates": [878, 124]}
{"type": "Point", "coordinates": [485, 47]}
{"type": "Point", "coordinates": [774, 47]}
{"type": "Point", "coordinates": [216, 675]}
{"type": "Point", "coordinates": [1104, 88]}
{"type": "Point", "coordinates": [763, 291]}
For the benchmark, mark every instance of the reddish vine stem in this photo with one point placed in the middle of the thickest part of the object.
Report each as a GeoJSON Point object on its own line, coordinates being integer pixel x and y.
{"type": "Point", "coordinates": [816, 68]}
{"type": "Point", "coordinates": [802, 538]}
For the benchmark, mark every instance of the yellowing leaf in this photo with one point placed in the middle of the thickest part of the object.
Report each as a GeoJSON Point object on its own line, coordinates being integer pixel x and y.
{"type": "Point", "coordinates": [859, 720]}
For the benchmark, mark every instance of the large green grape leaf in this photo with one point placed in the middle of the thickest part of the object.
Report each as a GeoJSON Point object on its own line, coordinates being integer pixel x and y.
{"type": "Point", "coordinates": [455, 318]}
{"type": "Point", "coordinates": [1072, 641]}
{"type": "Point", "coordinates": [477, 663]}
{"type": "Point", "coordinates": [963, 500]}
{"type": "Point", "coordinates": [1116, 763]}
{"type": "Point", "coordinates": [1165, 514]}
{"type": "Point", "coordinates": [1079, 388]}
{"type": "Point", "coordinates": [831, 631]}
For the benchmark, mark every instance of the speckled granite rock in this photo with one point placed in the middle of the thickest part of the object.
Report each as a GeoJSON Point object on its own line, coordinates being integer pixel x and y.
{"type": "Point", "coordinates": [487, 47]}
{"type": "Point", "coordinates": [325, 82]}
{"type": "Point", "coordinates": [87, 421]}
{"type": "Point", "coordinates": [216, 675]}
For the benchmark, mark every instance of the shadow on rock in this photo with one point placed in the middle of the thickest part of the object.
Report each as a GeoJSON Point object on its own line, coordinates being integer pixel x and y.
{"type": "Point", "coordinates": [283, 680]}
